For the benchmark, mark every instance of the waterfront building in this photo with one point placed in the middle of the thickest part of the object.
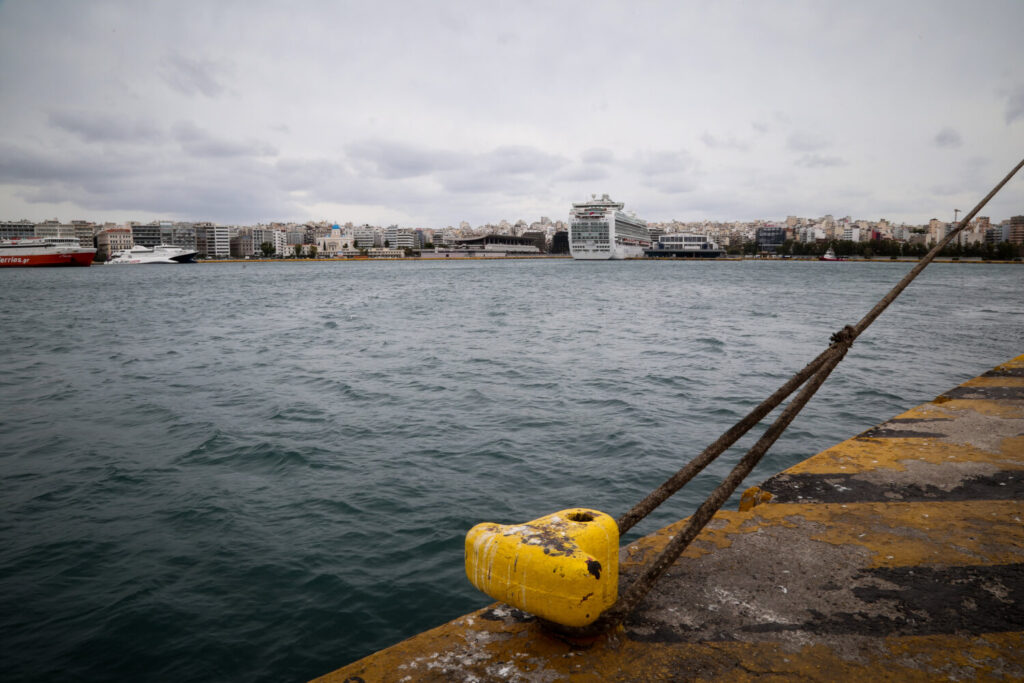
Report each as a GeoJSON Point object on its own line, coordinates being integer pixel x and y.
{"type": "Point", "coordinates": [277, 238]}
{"type": "Point", "coordinates": [560, 242]}
{"type": "Point", "coordinates": [241, 245]}
{"type": "Point", "coordinates": [490, 246]}
{"type": "Point", "coordinates": [997, 233]}
{"type": "Point", "coordinates": [54, 228]}
{"type": "Point", "coordinates": [212, 241]}
{"type": "Point", "coordinates": [11, 230]}
{"type": "Point", "coordinates": [1016, 231]}
{"type": "Point", "coordinates": [684, 245]}
{"type": "Point", "coordinates": [400, 238]}
{"type": "Point", "coordinates": [384, 252]}
{"type": "Point", "coordinates": [85, 233]}
{"type": "Point", "coordinates": [109, 241]}
{"type": "Point", "coordinates": [366, 237]}
{"type": "Point", "coordinates": [770, 239]}
{"type": "Point", "coordinates": [538, 237]}
{"type": "Point", "coordinates": [147, 235]}
{"type": "Point", "coordinates": [180, 235]}
{"type": "Point", "coordinates": [331, 244]}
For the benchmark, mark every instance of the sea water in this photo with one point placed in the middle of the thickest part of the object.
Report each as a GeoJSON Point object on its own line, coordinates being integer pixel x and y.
{"type": "Point", "coordinates": [266, 471]}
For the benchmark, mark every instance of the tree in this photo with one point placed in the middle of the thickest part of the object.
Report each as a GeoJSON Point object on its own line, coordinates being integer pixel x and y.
{"type": "Point", "coordinates": [312, 251]}
{"type": "Point", "coordinates": [298, 251]}
{"type": "Point", "coordinates": [267, 248]}
{"type": "Point", "coordinates": [387, 244]}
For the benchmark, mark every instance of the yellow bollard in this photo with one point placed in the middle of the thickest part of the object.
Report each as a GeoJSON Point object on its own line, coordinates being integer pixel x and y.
{"type": "Point", "coordinates": [563, 567]}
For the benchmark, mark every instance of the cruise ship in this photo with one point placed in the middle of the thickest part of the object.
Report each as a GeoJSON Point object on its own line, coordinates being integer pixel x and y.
{"type": "Point", "coordinates": [601, 230]}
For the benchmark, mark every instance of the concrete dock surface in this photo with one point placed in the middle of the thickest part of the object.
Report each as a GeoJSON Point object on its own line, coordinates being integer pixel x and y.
{"type": "Point", "coordinates": [895, 555]}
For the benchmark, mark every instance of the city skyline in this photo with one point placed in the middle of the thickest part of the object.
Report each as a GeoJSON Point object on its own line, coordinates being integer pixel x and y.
{"type": "Point", "coordinates": [424, 116]}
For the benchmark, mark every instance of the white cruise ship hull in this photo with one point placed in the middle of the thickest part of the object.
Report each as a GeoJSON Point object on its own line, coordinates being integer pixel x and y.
{"type": "Point", "coordinates": [617, 253]}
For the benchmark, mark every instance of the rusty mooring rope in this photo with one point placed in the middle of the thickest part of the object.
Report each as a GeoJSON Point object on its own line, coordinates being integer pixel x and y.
{"type": "Point", "coordinates": [810, 378]}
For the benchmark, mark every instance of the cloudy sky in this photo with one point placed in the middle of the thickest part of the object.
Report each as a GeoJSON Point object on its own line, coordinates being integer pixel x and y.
{"type": "Point", "coordinates": [429, 113]}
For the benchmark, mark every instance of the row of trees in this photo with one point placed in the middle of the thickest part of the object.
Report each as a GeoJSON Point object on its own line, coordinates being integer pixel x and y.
{"type": "Point", "coordinates": [294, 250]}
{"type": "Point", "coordinates": [1002, 251]}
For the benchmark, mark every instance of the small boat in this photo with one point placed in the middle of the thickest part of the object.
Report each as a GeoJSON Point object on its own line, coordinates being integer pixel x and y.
{"type": "Point", "coordinates": [830, 255]}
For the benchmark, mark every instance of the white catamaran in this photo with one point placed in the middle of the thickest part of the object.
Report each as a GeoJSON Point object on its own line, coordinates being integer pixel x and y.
{"type": "Point", "coordinates": [600, 229]}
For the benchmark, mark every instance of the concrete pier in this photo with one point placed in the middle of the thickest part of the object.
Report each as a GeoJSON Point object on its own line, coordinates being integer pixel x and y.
{"type": "Point", "coordinates": [895, 555]}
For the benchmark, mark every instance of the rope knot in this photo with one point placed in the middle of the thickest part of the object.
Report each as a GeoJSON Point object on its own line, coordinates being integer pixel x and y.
{"type": "Point", "coordinates": [844, 337]}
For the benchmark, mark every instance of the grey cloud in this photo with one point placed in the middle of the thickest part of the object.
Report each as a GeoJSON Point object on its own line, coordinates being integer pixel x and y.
{"type": "Point", "coordinates": [819, 161]}
{"type": "Point", "coordinates": [597, 155]}
{"type": "Point", "coordinates": [197, 142]}
{"type": "Point", "coordinates": [1015, 104]}
{"type": "Point", "coordinates": [660, 163]}
{"type": "Point", "coordinates": [802, 141]}
{"type": "Point", "coordinates": [584, 173]}
{"type": "Point", "coordinates": [947, 137]}
{"type": "Point", "coordinates": [193, 76]}
{"type": "Point", "coordinates": [19, 165]}
{"type": "Point", "coordinates": [510, 170]}
{"type": "Point", "coordinates": [103, 127]}
{"type": "Point", "coordinates": [512, 159]}
{"type": "Point", "coordinates": [395, 160]}
{"type": "Point", "coordinates": [669, 172]}
{"type": "Point", "coordinates": [134, 180]}
{"type": "Point", "coordinates": [714, 142]}
{"type": "Point", "coordinates": [309, 174]}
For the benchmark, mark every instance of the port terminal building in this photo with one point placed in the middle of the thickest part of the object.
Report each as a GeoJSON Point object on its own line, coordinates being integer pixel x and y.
{"type": "Point", "coordinates": [683, 245]}
{"type": "Point", "coordinates": [489, 246]}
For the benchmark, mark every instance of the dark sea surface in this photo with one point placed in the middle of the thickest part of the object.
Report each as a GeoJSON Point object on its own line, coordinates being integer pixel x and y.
{"type": "Point", "coordinates": [266, 471]}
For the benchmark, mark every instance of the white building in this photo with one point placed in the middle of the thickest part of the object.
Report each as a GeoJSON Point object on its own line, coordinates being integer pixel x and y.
{"type": "Point", "coordinates": [278, 238]}
{"type": "Point", "coordinates": [366, 237]}
{"type": "Point", "coordinates": [400, 238]}
{"type": "Point", "coordinates": [213, 241]}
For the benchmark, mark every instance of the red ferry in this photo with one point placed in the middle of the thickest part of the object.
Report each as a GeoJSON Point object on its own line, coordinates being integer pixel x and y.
{"type": "Point", "coordinates": [44, 251]}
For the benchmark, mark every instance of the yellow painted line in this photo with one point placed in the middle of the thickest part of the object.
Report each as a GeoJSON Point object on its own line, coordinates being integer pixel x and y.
{"type": "Point", "coordinates": [864, 455]}
{"type": "Point", "coordinates": [994, 382]}
{"type": "Point", "coordinates": [990, 407]}
{"type": "Point", "coordinates": [956, 533]}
